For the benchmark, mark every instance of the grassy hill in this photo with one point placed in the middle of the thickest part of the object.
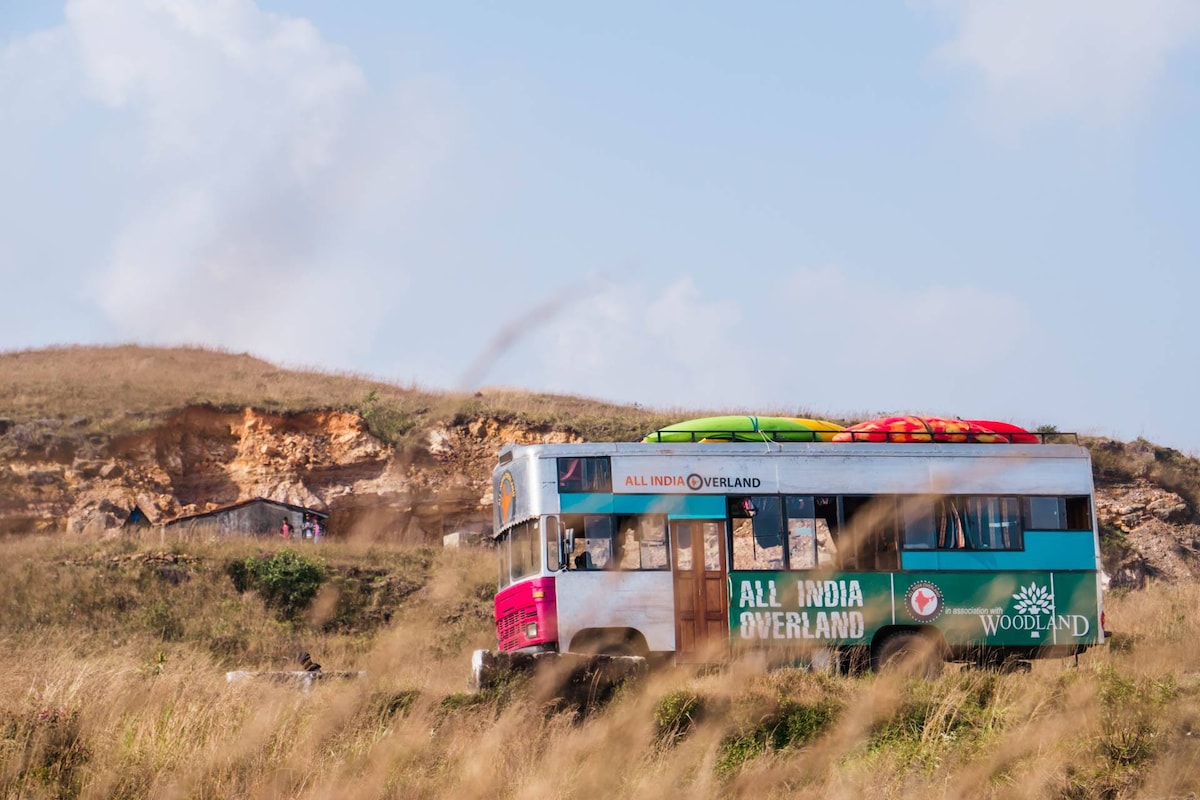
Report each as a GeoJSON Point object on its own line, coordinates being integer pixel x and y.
{"type": "Point", "coordinates": [119, 390]}
{"type": "Point", "coordinates": [112, 685]}
{"type": "Point", "coordinates": [112, 669]}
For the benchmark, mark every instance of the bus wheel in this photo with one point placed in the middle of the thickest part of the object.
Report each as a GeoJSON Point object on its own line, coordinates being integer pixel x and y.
{"type": "Point", "coordinates": [908, 653]}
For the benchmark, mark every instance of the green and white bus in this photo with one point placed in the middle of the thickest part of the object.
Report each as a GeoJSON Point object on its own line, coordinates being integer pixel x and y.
{"type": "Point", "coordinates": [856, 552]}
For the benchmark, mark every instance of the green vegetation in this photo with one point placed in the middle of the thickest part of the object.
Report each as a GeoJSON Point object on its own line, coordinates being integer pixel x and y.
{"type": "Point", "coordinates": [287, 581]}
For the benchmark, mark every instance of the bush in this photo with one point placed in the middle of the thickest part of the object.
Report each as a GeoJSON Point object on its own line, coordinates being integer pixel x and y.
{"type": "Point", "coordinates": [676, 715]}
{"type": "Point", "coordinates": [287, 582]}
{"type": "Point", "coordinates": [791, 725]}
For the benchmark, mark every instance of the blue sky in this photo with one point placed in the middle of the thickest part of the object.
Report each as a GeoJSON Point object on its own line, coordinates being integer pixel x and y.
{"type": "Point", "coordinates": [955, 207]}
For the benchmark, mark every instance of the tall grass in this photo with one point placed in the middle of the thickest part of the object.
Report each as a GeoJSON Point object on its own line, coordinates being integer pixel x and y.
{"type": "Point", "coordinates": [112, 662]}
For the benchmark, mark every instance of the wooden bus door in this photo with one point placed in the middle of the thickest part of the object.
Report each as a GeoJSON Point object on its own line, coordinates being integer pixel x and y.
{"type": "Point", "coordinates": [701, 597]}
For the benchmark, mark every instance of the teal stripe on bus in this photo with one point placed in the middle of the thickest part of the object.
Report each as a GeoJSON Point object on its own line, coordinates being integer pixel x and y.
{"type": "Point", "coordinates": [1044, 550]}
{"type": "Point", "coordinates": [696, 506]}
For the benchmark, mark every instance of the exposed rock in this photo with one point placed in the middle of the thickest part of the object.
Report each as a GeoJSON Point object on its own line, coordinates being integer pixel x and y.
{"type": "Point", "coordinates": [203, 458]}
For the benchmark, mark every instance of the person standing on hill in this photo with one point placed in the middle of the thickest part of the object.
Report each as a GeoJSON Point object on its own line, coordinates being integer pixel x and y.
{"type": "Point", "coordinates": [307, 529]}
{"type": "Point", "coordinates": [285, 530]}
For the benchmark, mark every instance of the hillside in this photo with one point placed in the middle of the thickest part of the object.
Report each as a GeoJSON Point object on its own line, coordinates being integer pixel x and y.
{"type": "Point", "coordinates": [116, 642]}
{"type": "Point", "coordinates": [89, 433]}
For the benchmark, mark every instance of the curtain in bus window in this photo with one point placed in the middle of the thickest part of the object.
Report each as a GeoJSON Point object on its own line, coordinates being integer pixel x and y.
{"type": "Point", "coordinates": [995, 523]}
{"type": "Point", "coordinates": [597, 475]}
{"type": "Point", "coordinates": [951, 528]}
{"type": "Point", "coordinates": [570, 474]}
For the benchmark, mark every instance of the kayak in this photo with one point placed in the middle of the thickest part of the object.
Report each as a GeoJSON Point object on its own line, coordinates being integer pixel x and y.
{"type": "Point", "coordinates": [747, 429]}
{"type": "Point", "coordinates": [919, 429]}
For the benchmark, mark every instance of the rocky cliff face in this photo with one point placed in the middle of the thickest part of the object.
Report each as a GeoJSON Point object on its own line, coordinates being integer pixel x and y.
{"type": "Point", "coordinates": [56, 477]}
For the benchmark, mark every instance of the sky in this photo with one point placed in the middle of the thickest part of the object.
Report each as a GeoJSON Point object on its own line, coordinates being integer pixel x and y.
{"type": "Point", "coordinates": [951, 207]}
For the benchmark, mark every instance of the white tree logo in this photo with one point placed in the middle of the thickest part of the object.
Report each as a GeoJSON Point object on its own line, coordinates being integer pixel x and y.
{"type": "Point", "coordinates": [1033, 599]}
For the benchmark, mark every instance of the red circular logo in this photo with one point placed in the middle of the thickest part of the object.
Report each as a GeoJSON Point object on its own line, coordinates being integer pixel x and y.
{"type": "Point", "coordinates": [924, 601]}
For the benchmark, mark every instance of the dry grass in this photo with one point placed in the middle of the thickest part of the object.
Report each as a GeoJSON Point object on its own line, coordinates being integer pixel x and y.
{"type": "Point", "coordinates": [121, 389]}
{"type": "Point", "coordinates": [99, 698]}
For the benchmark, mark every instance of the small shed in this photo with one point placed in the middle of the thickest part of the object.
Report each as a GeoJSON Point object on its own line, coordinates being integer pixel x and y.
{"type": "Point", "coordinates": [257, 516]}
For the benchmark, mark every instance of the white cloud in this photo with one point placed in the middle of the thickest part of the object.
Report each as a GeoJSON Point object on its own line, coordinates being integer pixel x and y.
{"type": "Point", "coordinates": [820, 340]}
{"type": "Point", "coordinates": [640, 343]}
{"type": "Point", "coordinates": [1095, 61]}
{"type": "Point", "coordinates": [259, 171]}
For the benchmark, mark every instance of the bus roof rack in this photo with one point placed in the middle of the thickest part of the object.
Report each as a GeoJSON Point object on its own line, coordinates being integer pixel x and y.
{"type": "Point", "coordinates": [849, 436]}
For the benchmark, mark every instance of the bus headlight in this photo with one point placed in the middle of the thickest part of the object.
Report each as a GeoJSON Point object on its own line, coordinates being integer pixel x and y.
{"type": "Point", "coordinates": [531, 630]}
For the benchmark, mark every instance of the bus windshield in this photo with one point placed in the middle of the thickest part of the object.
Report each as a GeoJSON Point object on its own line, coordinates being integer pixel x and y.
{"type": "Point", "coordinates": [518, 548]}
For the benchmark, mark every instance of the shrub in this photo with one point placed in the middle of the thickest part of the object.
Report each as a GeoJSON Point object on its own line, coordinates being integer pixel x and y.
{"type": "Point", "coordinates": [791, 725]}
{"type": "Point", "coordinates": [287, 582]}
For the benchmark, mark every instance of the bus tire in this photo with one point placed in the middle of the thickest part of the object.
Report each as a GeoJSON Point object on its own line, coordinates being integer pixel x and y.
{"type": "Point", "coordinates": [908, 653]}
{"type": "Point", "coordinates": [611, 642]}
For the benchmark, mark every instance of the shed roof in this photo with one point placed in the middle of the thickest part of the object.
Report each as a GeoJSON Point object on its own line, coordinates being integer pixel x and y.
{"type": "Point", "coordinates": [223, 509]}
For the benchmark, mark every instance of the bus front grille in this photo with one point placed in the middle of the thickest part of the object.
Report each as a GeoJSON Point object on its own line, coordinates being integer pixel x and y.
{"type": "Point", "coordinates": [509, 627]}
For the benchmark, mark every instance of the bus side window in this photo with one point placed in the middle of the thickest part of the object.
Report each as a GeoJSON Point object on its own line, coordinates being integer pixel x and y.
{"type": "Point", "coordinates": [802, 532]}
{"type": "Point", "coordinates": [1079, 514]}
{"type": "Point", "coordinates": [756, 525]}
{"type": "Point", "coordinates": [652, 541]}
{"type": "Point", "coordinates": [869, 539]}
{"type": "Point", "coordinates": [920, 532]}
{"type": "Point", "coordinates": [827, 526]}
{"type": "Point", "coordinates": [584, 475]}
{"type": "Point", "coordinates": [593, 541]}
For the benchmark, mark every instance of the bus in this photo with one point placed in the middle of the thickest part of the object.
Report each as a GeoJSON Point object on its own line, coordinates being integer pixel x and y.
{"type": "Point", "coordinates": [856, 553]}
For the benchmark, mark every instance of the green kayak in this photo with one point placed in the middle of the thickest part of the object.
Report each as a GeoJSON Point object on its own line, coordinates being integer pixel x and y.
{"type": "Point", "coordinates": [746, 429]}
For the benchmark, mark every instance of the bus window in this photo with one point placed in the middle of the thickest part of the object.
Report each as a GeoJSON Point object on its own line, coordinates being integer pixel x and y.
{"type": "Point", "coordinates": [827, 523]}
{"type": "Point", "coordinates": [868, 541]}
{"type": "Point", "coordinates": [1079, 514]}
{"type": "Point", "coordinates": [802, 532]}
{"type": "Point", "coordinates": [524, 542]}
{"type": "Point", "coordinates": [757, 527]}
{"type": "Point", "coordinates": [683, 545]}
{"type": "Point", "coordinates": [995, 523]}
{"type": "Point", "coordinates": [584, 475]}
{"type": "Point", "coordinates": [1045, 513]}
{"type": "Point", "coordinates": [654, 542]}
{"type": "Point", "coordinates": [980, 523]}
{"type": "Point", "coordinates": [553, 543]}
{"type": "Point", "coordinates": [916, 515]}
{"type": "Point", "coordinates": [641, 542]}
{"type": "Point", "coordinates": [593, 541]}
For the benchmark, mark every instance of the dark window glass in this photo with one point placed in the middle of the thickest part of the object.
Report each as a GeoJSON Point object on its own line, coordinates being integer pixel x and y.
{"type": "Point", "coordinates": [579, 474]}
{"type": "Point", "coordinates": [868, 537]}
{"type": "Point", "coordinates": [919, 528]}
{"type": "Point", "coordinates": [1079, 514]}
